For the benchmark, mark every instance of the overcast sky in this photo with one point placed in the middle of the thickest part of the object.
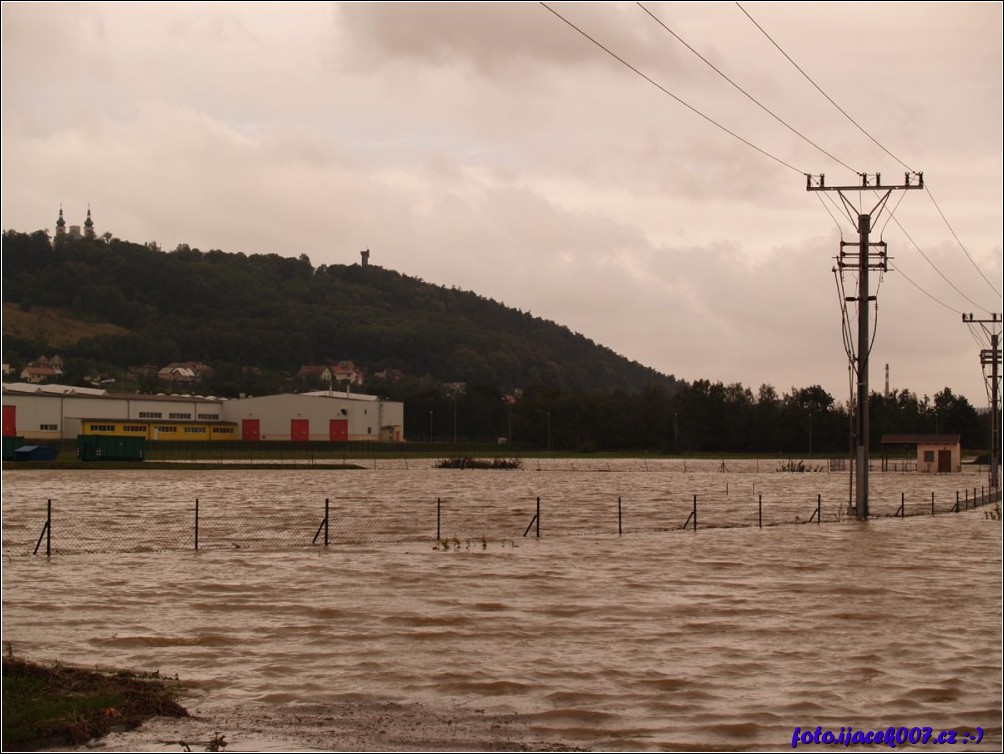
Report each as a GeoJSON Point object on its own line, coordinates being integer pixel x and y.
{"type": "Point", "coordinates": [492, 147]}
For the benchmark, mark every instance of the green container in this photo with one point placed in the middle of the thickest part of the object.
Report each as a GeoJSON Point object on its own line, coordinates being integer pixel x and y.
{"type": "Point", "coordinates": [10, 444]}
{"type": "Point", "coordinates": [110, 448]}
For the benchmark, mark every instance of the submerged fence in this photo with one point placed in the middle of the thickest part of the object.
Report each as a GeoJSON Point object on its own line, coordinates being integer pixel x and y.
{"type": "Point", "coordinates": [444, 522]}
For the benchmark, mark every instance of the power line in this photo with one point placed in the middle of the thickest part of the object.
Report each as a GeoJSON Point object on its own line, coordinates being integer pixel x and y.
{"type": "Point", "coordinates": [749, 96]}
{"type": "Point", "coordinates": [836, 222]}
{"type": "Point", "coordinates": [935, 299]}
{"type": "Point", "coordinates": [935, 268]}
{"type": "Point", "coordinates": [961, 245]}
{"type": "Point", "coordinates": [819, 89]}
{"type": "Point", "coordinates": [664, 90]}
{"type": "Point", "coordinates": [884, 149]}
{"type": "Point", "coordinates": [892, 213]}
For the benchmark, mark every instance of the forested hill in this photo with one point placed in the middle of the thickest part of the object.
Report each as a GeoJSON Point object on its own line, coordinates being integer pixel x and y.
{"type": "Point", "coordinates": [279, 313]}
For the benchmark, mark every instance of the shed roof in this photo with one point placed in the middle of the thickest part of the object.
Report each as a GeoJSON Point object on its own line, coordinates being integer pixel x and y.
{"type": "Point", "coordinates": [921, 439]}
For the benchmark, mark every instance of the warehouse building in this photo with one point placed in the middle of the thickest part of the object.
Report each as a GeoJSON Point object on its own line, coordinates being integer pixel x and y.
{"type": "Point", "coordinates": [321, 415]}
{"type": "Point", "coordinates": [53, 412]}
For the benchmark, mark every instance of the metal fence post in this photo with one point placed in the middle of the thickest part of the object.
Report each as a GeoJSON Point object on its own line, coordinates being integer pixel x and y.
{"type": "Point", "coordinates": [819, 509]}
{"type": "Point", "coordinates": [438, 513]}
{"type": "Point", "coordinates": [46, 532]}
{"type": "Point", "coordinates": [695, 510]}
{"type": "Point", "coordinates": [759, 519]}
{"type": "Point", "coordinates": [538, 518]}
{"type": "Point", "coordinates": [196, 523]}
{"type": "Point", "coordinates": [327, 520]}
{"type": "Point", "coordinates": [932, 503]}
{"type": "Point", "coordinates": [620, 529]}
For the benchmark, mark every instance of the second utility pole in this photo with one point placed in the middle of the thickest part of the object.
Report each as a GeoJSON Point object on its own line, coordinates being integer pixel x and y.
{"type": "Point", "coordinates": [863, 263]}
{"type": "Point", "coordinates": [991, 357]}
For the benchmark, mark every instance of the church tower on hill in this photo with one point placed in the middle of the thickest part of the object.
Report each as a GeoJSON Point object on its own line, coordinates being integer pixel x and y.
{"type": "Point", "coordinates": [73, 231]}
{"type": "Point", "coordinates": [60, 225]}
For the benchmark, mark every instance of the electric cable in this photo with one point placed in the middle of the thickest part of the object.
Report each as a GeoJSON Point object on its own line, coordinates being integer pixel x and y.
{"type": "Point", "coordinates": [934, 267]}
{"type": "Point", "coordinates": [749, 96]}
{"type": "Point", "coordinates": [922, 290]}
{"type": "Point", "coordinates": [892, 212]}
{"type": "Point", "coordinates": [840, 230]}
{"type": "Point", "coordinates": [884, 149]}
{"type": "Point", "coordinates": [844, 318]}
{"type": "Point", "coordinates": [927, 189]}
{"type": "Point", "coordinates": [875, 321]}
{"type": "Point", "coordinates": [820, 90]}
{"type": "Point", "coordinates": [666, 91]}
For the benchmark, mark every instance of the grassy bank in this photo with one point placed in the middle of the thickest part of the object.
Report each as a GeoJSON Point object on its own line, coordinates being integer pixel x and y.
{"type": "Point", "coordinates": [48, 706]}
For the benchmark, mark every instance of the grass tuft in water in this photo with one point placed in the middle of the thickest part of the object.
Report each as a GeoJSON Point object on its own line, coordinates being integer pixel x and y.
{"type": "Point", "coordinates": [479, 463]}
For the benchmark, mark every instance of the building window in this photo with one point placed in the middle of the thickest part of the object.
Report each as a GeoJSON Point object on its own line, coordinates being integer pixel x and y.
{"type": "Point", "coordinates": [928, 456]}
{"type": "Point", "coordinates": [149, 415]}
{"type": "Point", "coordinates": [48, 427]}
{"type": "Point", "coordinates": [209, 417]}
{"type": "Point", "coordinates": [102, 428]}
{"type": "Point", "coordinates": [134, 428]}
{"type": "Point", "coordinates": [167, 429]}
{"type": "Point", "coordinates": [180, 416]}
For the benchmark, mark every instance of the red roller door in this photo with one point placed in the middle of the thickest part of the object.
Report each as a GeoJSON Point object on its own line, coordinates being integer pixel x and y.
{"type": "Point", "coordinates": [299, 429]}
{"type": "Point", "coordinates": [339, 430]}
{"type": "Point", "coordinates": [250, 429]}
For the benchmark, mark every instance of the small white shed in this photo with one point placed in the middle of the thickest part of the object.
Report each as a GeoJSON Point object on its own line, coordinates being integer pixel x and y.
{"type": "Point", "coordinates": [936, 454]}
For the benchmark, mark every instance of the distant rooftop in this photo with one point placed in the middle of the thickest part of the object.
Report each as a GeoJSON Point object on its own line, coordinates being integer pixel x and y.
{"type": "Point", "coordinates": [28, 388]}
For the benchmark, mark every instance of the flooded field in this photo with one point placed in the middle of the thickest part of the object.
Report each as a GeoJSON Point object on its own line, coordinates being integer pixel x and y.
{"type": "Point", "coordinates": [662, 639]}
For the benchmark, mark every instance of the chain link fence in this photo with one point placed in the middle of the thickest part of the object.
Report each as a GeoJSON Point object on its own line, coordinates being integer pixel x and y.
{"type": "Point", "coordinates": [61, 528]}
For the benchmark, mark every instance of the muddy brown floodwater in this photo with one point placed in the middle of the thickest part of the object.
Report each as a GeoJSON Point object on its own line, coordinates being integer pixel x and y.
{"type": "Point", "coordinates": [729, 637]}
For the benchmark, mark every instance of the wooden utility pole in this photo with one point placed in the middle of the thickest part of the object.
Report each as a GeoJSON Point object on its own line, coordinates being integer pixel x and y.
{"type": "Point", "coordinates": [991, 357]}
{"type": "Point", "coordinates": [864, 262]}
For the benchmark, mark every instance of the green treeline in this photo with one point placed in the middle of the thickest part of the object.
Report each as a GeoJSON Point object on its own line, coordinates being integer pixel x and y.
{"type": "Point", "coordinates": [702, 417]}
{"type": "Point", "coordinates": [255, 319]}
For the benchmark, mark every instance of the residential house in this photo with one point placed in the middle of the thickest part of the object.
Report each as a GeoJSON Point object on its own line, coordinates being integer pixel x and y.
{"type": "Point", "coordinates": [42, 369]}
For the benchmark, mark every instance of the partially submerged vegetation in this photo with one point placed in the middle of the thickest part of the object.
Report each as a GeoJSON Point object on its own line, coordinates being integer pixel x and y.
{"type": "Point", "coordinates": [464, 462]}
{"type": "Point", "coordinates": [55, 705]}
{"type": "Point", "coordinates": [791, 465]}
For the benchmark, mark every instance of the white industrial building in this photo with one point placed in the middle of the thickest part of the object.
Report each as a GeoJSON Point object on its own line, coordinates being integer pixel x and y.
{"type": "Point", "coordinates": [53, 412]}
{"type": "Point", "coordinates": [322, 415]}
